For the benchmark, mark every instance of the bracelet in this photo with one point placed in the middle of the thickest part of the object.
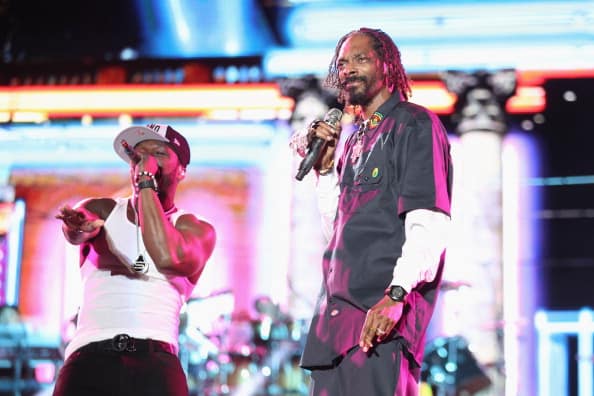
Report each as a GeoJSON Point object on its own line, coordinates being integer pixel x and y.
{"type": "Point", "coordinates": [151, 183]}
{"type": "Point", "coordinates": [144, 173]}
{"type": "Point", "coordinates": [147, 184]}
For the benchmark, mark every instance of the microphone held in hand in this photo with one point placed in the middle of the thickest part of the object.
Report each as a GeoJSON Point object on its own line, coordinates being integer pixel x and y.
{"type": "Point", "coordinates": [332, 118]}
{"type": "Point", "coordinates": [130, 152]}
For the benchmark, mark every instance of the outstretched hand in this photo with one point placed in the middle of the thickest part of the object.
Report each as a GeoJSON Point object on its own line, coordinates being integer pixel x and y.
{"type": "Point", "coordinates": [80, 219]}
{"type": "Point", "coordinates": [379, 322]}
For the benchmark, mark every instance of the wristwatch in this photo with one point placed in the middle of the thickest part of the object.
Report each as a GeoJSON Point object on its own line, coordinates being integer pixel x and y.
{"type": "Point", "coordinates": [150, 183]}
{"type": "Point", "coordinates": [396, 293]}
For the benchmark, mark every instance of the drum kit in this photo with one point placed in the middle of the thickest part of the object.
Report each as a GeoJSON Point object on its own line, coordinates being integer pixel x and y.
{"type": "Point", "coordinates": [236, 353]}
{"type": "Point", "coordinates": [449, 368]}
{"type": "Point", "coordinates": [230, 353]}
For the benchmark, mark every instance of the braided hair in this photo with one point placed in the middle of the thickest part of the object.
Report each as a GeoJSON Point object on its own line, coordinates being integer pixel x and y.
{"type": "Point", "coordinates": [389, 55]}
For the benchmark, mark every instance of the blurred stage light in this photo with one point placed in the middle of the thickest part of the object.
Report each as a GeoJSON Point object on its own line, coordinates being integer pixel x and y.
{"type": "Point", "coordinates": [37, 104]}
{"type": "Point", "coordinates": [449, 366]}
{"type": "Point", "coordinates": [322, 23]}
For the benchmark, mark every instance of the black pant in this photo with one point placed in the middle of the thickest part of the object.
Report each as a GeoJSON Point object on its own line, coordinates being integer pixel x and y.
{"type": "Point", "coordinates": [143, 370]}
{"type": "Point", "coordinates": [383, 371]}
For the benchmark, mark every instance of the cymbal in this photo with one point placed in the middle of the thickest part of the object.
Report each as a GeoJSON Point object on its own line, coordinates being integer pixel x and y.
{"type": "Point", "coordinates": [211, 295]}
{"type": "Point", "coordinates": [447, 285]}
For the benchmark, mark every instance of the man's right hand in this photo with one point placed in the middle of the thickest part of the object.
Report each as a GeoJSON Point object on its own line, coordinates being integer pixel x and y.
{"type": "Point", "coordinates": [331, 135]}
{"type": "Point", "coordinates": [79, 220]}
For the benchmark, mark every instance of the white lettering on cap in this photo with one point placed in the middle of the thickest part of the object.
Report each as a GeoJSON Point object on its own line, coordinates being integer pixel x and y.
{"type": "Point", "coordinates": [158, 128]}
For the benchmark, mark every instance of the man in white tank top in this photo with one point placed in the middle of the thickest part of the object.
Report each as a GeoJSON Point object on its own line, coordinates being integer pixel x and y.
{"type": "Point", "coordinates": [140, 258]}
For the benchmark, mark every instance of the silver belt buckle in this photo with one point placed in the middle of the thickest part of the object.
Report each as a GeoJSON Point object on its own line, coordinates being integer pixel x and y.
{"type": "Point", "coordinates": [123, 342]}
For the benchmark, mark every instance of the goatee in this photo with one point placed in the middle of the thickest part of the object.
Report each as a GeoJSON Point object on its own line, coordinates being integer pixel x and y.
{"type": "Point", "coordinates": [357, 98]}
{"type": "Point", "coordinates": [357, 95]}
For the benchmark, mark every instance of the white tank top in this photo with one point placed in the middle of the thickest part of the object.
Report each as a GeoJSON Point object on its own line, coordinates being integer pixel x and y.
{"type": "Point", "coordinates": [142, 307]}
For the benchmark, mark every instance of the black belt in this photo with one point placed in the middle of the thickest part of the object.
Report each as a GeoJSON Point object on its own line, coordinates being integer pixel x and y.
{"type": "Point", "coordinates": [125, 343]}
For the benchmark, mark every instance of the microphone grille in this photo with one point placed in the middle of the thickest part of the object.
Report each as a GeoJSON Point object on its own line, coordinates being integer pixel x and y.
{"type": "Point", "coordinates": [333, 116]}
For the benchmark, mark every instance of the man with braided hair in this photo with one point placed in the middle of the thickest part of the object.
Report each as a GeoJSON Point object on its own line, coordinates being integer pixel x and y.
{"type": "Point", "coordinates": [387, 206]}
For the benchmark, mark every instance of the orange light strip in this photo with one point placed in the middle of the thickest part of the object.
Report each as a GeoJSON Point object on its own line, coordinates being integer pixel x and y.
{"type": "Point", "coordinates": [538, 77]}
{"type": "Point", "coordinates": [142, 100]}
{"type": "Point", "coordinates": [213, 100]}
{"type": "Point", "coordinates": [527, 100]}
{"type": "Point", "coordinates": [433, 95]}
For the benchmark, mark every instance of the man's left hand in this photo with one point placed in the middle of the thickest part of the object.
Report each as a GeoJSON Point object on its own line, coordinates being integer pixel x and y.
{"type": "Point", "coordinates": [379, 322]}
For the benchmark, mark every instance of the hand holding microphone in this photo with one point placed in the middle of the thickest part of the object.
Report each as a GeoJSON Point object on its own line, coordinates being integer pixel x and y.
{"type": "Point", "coordinates": [317, 144]}
{"type": "Point", "coordinates": [130, 152]}
{"type": "Point", "coordinates": [135, 159]}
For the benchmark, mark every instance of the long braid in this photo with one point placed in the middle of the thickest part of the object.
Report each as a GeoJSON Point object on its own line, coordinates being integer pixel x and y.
{"type": "Point", "coordinates": [389, 55]}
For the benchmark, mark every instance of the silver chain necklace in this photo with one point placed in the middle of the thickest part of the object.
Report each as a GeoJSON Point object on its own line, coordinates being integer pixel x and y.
{"type": "Point", "coordinates": [140, 265]}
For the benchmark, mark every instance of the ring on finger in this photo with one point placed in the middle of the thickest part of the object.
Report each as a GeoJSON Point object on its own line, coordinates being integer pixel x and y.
{"type": "Point", "coordinates": [380, 332]}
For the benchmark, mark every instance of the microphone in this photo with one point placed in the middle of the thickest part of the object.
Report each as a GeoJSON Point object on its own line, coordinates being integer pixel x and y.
{"type": "Point", "coordinates": [133, 155]}
{"type": "Point", "coordinates": [332, 118]}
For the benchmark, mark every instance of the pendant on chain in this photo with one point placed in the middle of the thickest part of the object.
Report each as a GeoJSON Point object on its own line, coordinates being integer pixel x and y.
{"type": "Point", "coordinates": [357, 149]}
{"type": "Point", "coordinates": [140, 265]}
{"type": "Point", "coordinates": [358, 146]}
